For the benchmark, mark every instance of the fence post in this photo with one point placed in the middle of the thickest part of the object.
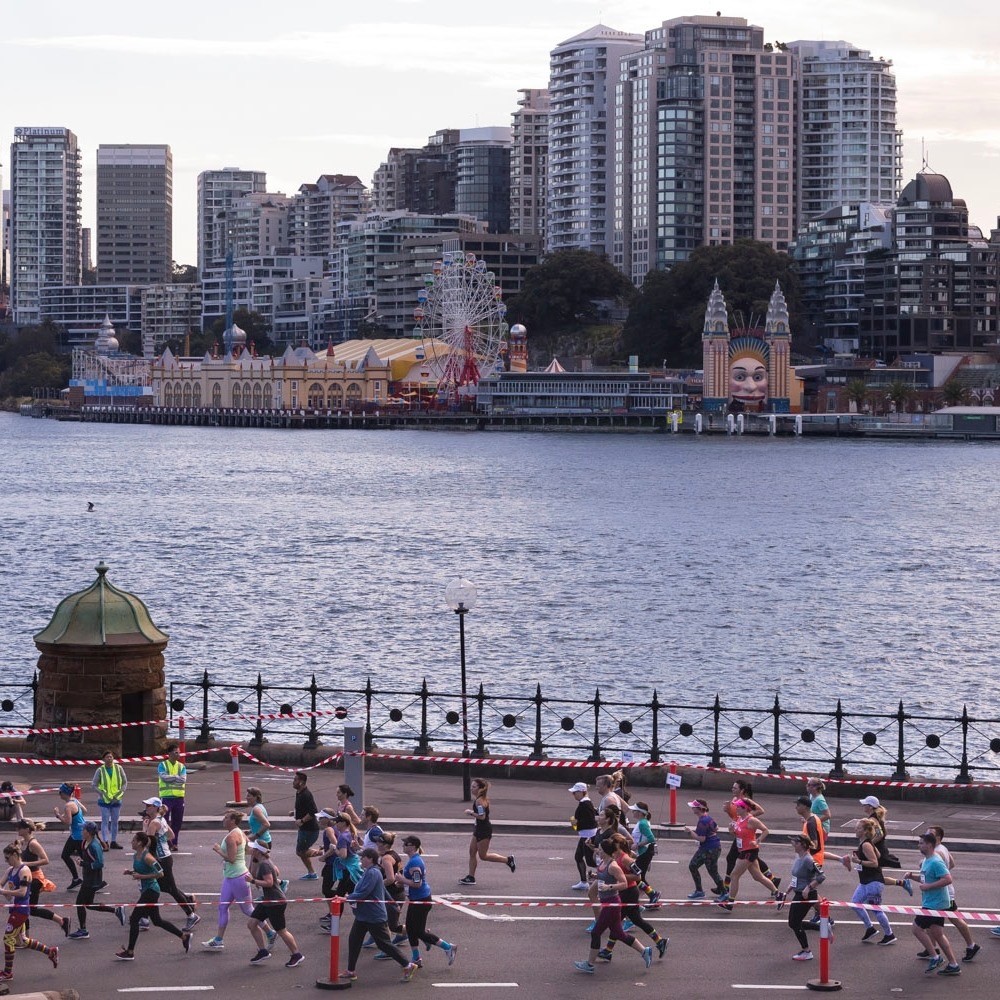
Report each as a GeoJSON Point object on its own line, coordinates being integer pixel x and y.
{"type": "Point", "coordinates": [181, 744]}
{"type": "Point", "coordinates": [716, 760]}
{"type": "Point", "coordinates": [775, 767]}
{"type": "Point", "coordinates": [654, 750]}
{"type": "Point", "coordinates": [538, 750]}
{"type": "Point", "coordinates": [369, 739]}
{"type": "Point", "coordinates": [312, 740]}
{"type": "Point", "coordinates": [837, 771]}
{"type": "Point", "coordinates": [34, 702]}
{"type": "Point", "coordinates": [595, 750]}
{"type": "Point", "coordinates": [258, 731]}
{"type": "Point", "coordinates": [900, 773]}
{"type": "Point", "coordinates": [480, 739]}
{"type": "Point", "coordinates": [205, 734]}
{"type": "Point", "coordinates": [423, 744]}
{"type": "Point", "coordinates": [963, 777]}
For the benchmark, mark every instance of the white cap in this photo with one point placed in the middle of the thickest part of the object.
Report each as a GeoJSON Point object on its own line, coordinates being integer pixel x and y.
{"type": "Point", "coordinates": [870, 800]}
{"type": "Point", "coordinates": [323, 814]}
{"type": "Point", "coordinates": [257, 845]}
{"type": "Point", "coordinates": [153, 802]}
{"type": "Point", "coordinates": [579, 787]}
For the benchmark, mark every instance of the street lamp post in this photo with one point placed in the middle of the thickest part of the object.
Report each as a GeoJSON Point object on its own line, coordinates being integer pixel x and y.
{"type": "Point", "coordinates": [460, 596]}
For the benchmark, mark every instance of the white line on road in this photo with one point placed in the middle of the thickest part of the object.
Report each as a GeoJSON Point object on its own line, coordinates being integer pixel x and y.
{"type": "Point", "coordinates": [473, 986]}
{"type": "Point", "coordinates": [765, 986]}
{"type": "Point", "coordinates": [165, 989]}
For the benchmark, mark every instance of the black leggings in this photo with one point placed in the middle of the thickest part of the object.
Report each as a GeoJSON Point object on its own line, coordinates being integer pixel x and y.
{"type": "Point", "coordinates": [393, 909]}
{"type": "Point", "coordinates": [380, 934]}
{"type": "Point", "coordinates": [71, 849]}
{"type": "Point", "coordinates": [584, 857]}
{"type": "Point", "coordinates": [632, 911]}
{"type": "Point", "coordinates": [146, 908]}
{"type": "Point", "coordinates": [169, 886]}
{"type": "Point", "coordinates": [85, 900]}
{"type": "Point", "coordinates": [416, 924]}
{"type": "Point", "coordinates": [797, 913]}
{"type": "Point", "coordinates": [36, 910]}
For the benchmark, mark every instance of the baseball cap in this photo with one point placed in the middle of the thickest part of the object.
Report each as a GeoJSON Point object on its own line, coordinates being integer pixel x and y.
{"type": "Point", "coordinates": [154, 801]}
{"type": "Point", "coordinates": [870, 800]}
{"type": "Point", "coordinates": [698, 804]}
{"type": "Point", "coordinates": [257, 845]}
{"type": "Point", "coordinates": [639, 807]}
{"type": "Point", "coordinates": [323, 814]}
{"type": "Point", "coordinates": [578, 787]}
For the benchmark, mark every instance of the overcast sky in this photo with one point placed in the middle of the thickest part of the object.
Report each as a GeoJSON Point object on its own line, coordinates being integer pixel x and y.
{"type": "Point", "coordinates": [304, 87]}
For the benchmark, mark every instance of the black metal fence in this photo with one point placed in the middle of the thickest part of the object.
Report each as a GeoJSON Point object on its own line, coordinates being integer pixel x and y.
{"type": "Point", "coordinates": [774, 739]}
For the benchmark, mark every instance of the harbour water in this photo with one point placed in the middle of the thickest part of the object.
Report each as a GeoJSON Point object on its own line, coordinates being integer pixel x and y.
{"type": "Point", "coordinates": [820, 569]}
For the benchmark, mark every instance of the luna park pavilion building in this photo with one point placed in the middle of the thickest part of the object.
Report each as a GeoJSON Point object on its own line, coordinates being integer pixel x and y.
{"type": "Point", "coordinates": [352, 375]}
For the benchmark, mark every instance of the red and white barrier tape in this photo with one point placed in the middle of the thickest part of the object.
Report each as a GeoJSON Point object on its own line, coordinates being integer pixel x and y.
{"type": "Point", "coordinates": [144, 759]}
{"type": "Point", "coordinates": [291, 770]}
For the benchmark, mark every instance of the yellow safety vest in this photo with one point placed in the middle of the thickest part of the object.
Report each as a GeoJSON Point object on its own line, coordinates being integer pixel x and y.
{"type": "Point", "coordinates": [110, 785]}
{"type": "Point", "coordinates": [171, 791]}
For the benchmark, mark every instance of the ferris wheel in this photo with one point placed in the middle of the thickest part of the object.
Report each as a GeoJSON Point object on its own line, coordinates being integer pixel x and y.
{"type": "Point", "coordinates": [460, 305]}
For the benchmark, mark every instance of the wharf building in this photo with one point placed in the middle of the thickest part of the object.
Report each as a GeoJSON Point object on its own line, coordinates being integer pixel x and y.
{"type": "Point", "coordinates": [134, 214]}
{"type": "Point", "coordinates": [45, 179]}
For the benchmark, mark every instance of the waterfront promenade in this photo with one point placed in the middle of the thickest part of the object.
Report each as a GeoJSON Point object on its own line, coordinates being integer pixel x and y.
{"type": "Point", "coordinates": [510, 945]}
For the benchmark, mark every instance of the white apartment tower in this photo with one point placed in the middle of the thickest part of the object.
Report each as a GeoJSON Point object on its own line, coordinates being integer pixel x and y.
{"type": "Point", "coordinates": [704, 142]}
{"type": "Point", "coordinates": [318, 208]}
{"type": "Point", "coordinates": [529, 163]}
{"type": "Point", "coordinates": [217, 191]}
{"type": "Point", "coordinates": [135, 214]}
{"type": "Point", "coordinates": [45, 183]}
{"type": "Point", "coordinates": [583, 72]}
{"type": "Point", "coordinates": [850, 150]}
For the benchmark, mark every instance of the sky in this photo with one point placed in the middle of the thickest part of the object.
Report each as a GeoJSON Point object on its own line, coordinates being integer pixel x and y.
{"type": "Point", "coordinates": [307, 87]}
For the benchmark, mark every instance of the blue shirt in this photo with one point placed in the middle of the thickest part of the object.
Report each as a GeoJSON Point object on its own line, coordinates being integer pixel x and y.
{"type": "Point", "coordinates": [709, 829]}
{"type": "Point", "coordinates": [369, 894]}
{"type": "Point", "coordinates": [416, 871]}
{"type": "Point", "coordinates": [931, 869]}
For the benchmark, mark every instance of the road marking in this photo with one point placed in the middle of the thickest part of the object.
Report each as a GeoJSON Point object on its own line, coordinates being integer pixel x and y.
{"type": "Point", "coordinates": [165, 989]}
{"type": "Point", "coordinates": [472, 986]}
{"type": "Point", "coordinates": [764, 986]}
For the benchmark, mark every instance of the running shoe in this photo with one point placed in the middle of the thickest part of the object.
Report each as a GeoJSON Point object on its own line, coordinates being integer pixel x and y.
{"type": "Point", "coordinates": [971, 952]}
{"type": "Point", "coordinates": [81, 935]}
{"type": "Point", "coordinates": [452, 954]}
{"type": "Point", "coordinates": [888, 939]}
{"type": "Point", "coordinates": [869, 933]}
{"type": "Point", "coordinates": [647, 955]}
{"type": "Point", "coordinates": [950, 970]}
{"type": "Point", "coordinates": [399, 939]}
{"type": "Point", "coordinates": [262, 956]}
{"type": "Point", "coordinates": [627, 925]}
{"type": "Point", "coordinates": [144, 923]}
{"type": "Point", "coordinates": [511, 864]}
{"type": "Point", "coordinates": [907, 886]}
{"type": "Point", "coordinates": [584, 967]}
{"type": "Point", "coordinates": [297, 959]}
{"type": "Point", "coordinates": [697, 894]}
{"type": "Point", "coordinates": [933, 964]}
{"type": "Point", "coordinates": [216, 944]}
{"type": "Point", "coordinates": [5, 976]}
{"type": "Point", "coordinates": [192, 922]}
{"type": "Point", "coordinates": [120, 914]}
{"type": "Point", "coordinates": [661, 946]}
{"type": "Point", "coordinates": [124, 956]}
{"type": "Point", "coordinates": [54, 957]}
{"type": "Point", "coordinates": [351, 977]}
{"type": "Point", "coordinates": [380, 956]}
{"type": "Point", "coordinates": [727, 906]}
{"type": "Point", "coordinates": [271, 937]}
{"type": "Point", "coordinates": [995, 931]}
{"type": "Point", "coordinates": [775, 881]}
{"type": "Point", "coordinates": [66, 926]}
{"type": "Point", "coordinates": [283, 885]}
{"type": "Point", "coordinates": [723, 897]}
{"type": "Point", "coordinates": [591, 926]}
{"type": "Point", "coordinates": [308, 877]}
{"type": "Point", "coordinates": [802, 956]}
{"type": "Point", "coordinates": [186, 941]}
{"type": "Point", "coordinates": [75, 884]}
{"type": "Point", "coordinates": [654, 899]}
{"type": "Point", "coordinates": [779, 898]}
{"type": "Point", "coordinates": [925, 954]}
{"type": "Point", "coordinates": [580, 886]}
{"type": "Point", "coordinates": [409, 972]}
{"type": "Point", "coordinates": [604, 954]}
{"type": "Point", "coordinates": [468, 880]}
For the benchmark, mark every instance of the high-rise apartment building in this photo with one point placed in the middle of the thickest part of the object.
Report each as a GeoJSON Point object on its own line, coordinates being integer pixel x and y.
{"type": "Point", "coordinates": [849, 148]}
{"type": "Point", "coordinates": [45, 181]}
{"type": "Point", "coordinates": [260, 224]}
{"type": "Point", "coordinates": [217, 190]}
{"type": "Point", "coordinates": [135, 212]}
{"type": "Point", "coordinates": [704, 142]}
{"type": "Point", "coordinates": [482, 176]}
{"type": "Point", "coordinates": [583, 72]}
{"type": "Point", "coordinates": [529, 157]}
{"type": "Point", "coordinates": [319, 207]}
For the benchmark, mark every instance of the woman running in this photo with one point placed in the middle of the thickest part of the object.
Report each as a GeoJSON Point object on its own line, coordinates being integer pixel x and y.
{"type": "Point", "coordinates": [645, 847]}
{"type": "Point", "coordinates": [146, 870]}
{"type": "Point", "coordinates": [806, 879]}
{"type": "Point", "coordinates": [156, 828]}
{"type": "Point", "coordinates": [706, 832]}
{"type": "Point", "coordinates": [344, 795]}
{"type": "Point", "coordinates": [631, 910]}
{"type": "Point", "coordinates": [482, 833]}
{"type": "Point", "coordinates": [268, 917]}
{"type": "Point", "coordinates": [34, 857]}
{"type": "Point", "coordinates": [414, 877]}
{"type": "Point", "coordinates": [871, 882]}
{"type": "Point", "coordinates": [610, 881]}
{"type": "Point", "coordinates": [743, 790]}
{"type": "Point", "coordinates": [608, 824]}
{"type": "Point", "coordinates": [71, 816]}
{"type": "Point", "coordinates": [235, 889]}
{"type": "Point", "coordinates": [92, 859]}
{"type": "Point", "coordinates": [392, 866]}
{"type": "Point", "coordinates": [257, 820]}
{"type": "Point", "coordinates": [15, 886]}
{"type": "Point", "coordinates": [749, 832]}
{"type": "Point", "coordinates": [584, 822]}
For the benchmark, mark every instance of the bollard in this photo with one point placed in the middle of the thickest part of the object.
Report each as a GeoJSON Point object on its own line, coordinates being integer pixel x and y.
{"type": "Point", "coordinates": [76, 793]}
{"type": "Point", "coordinates": [181, 744]}
{"type": "Point", "coordinates": [673, 796]}
{"type": "Point", "coordinates": [824, 984]}
{"type": "Point", "coordinates": [334, 982]}
{"type": "Point", "coordinates": [234, 753]}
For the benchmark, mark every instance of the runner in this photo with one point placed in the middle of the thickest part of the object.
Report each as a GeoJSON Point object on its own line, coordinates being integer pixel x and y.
{"type": "Point", "coordinates": [270, 908]}
{"type": "Point", "coordinates": [155, 826]}
{"type": "Point", "coordinates": [414, 877]}
{"type": "Point", "coordinates": [971, 948]}
{"type": "Point", "coordinates": [305, 819]}
{"type": "Point", "coordinates": [749, 832]}
{"type": "Point", "coordinates": [368, 902]}
{"type": "Point", "coordinates": [33, 855]}
{"type": "Point", "coordinates": [92, 856]}
{"type": "Point", "coordinates": [743, 790]}
{"type": "Point", "coordinates": [584, 821]}
{"type": "Point", "coordinates": [625, 858]}
{"type": "Point", "coordinates": [145, 870]}
{"type": "Point", "coordinates": [235, 889]}
{"type": "Point", "coordinates": [171, 775]}
{"type": "Point", "coordinates": [482, 833]}
{"type": "Point", "coordinates": [15, 887]}
{"type": "Point", "coordinates": [645, 848]}
{"type": "Point", "coordinates": [928, 928]}
{"type": "Point", "coordinates": [344, 795]}
{"type": "Point", "coordinates": [71, 816]}
{"type": "Point", "coordinates": [806, 878]}
{"type": "Point", "coordinates": [257, 820]}
{"type": "Point", "coordinates": [815, 789]}
{"type": "Point", "coordinates": [871, 882]}
{"type": "Point", "coordinates": [369, 827]}
{"type": "Point", "coordinates": [109, 782]}
{"type": "Point", "coordinates": [706, 832]}
{"type": "Point", "coordinates": [391, 865]}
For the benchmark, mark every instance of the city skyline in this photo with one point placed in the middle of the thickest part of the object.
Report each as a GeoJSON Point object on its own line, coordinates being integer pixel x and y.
{"type": "Point", "coordinates": [254, 93]}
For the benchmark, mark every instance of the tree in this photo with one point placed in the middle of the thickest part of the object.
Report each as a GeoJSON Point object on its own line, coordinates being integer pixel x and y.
{"type": "Point", "coordinates": [564, 291]}
{"type": "Point", "coordinates": [953, 392]}
{"type": "Point", "coordinates": [857, 392]}
{"type": "Point", "coordinates": [666, 319]}
{"type": "Point", "coordinates": [33, 371]}
{"type": "Point", "coordinates": [900, 393]}
{"type": "Point", "coordinates": [183, 274]}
